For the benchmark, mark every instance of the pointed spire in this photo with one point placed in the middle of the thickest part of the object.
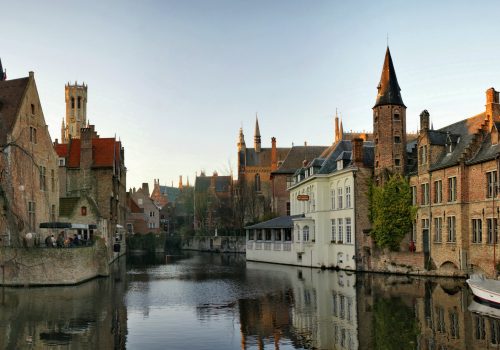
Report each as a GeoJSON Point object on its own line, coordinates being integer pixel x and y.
{"type": "Point", "coordinates": [256, 138]}
{"type": "Point", "coordinates": [241, 140]}
{"type": "Point", "coordinates": [337, 130]}
{"type": "Point", "coordinates": [3, 74]}
{"type": "Point", "coordinates": [389, 92]}
{"type": "Point", "coordinates": [341, 132]}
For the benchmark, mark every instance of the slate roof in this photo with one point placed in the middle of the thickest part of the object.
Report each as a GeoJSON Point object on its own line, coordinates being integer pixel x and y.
{"type": "Point", "coordinates": [343, 150]}
{"type": "Point", "coordinates": [11, 97]}
{"type": "Point", "coordinates": [389, 92]}
{"type": "Point", "coordinates": [296, 155]}
{"type": "Point", "coordinates": [203, 183]}
{"type": "Point", "coordinates": [462, 133]}
{"type": "Point", "coordinates": [171, 192]}
{"type": "Point", "coordinates": [279, 222]}
{"type": "Point", "coordinates": [105, 151]}
{"type": "Point", "coordinates": [263, 158]}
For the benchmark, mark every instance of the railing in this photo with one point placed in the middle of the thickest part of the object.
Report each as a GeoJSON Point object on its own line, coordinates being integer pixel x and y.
{"type": "Point", "coordinates": [258, 245]}
{"type": "Point", "coordinates": [287, 246]}
{"type": "Point", "coordinates": [277, 246]}
{"type": "Point", "coordinates": [249, 245]}
{"type": "Point", "coordinates": [267, 245]}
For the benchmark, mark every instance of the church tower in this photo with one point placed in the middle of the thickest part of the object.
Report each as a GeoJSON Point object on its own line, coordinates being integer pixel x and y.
{"type": "Point", "coordinates": [76, 110]}
{"type": "Point", "coordinates": [389, 124]}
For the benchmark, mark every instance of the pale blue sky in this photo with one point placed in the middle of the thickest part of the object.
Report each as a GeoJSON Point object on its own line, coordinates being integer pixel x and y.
{"type": "Point", "coordinates": [175, 80]}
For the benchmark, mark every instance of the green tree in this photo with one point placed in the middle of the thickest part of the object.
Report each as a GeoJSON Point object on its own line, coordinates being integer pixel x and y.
{"type": "Point", "coordinates": [391, 211]}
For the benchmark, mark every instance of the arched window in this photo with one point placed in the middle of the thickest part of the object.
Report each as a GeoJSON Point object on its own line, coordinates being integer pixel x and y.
{"type": "Point", "coordinates": [305, 233]}
{"type": "Point", "coordinates": [257, 182]}
{"type": "Point", "coordinates": [72, 102]}
{"type": "Point", "coordinates": [79, 102]}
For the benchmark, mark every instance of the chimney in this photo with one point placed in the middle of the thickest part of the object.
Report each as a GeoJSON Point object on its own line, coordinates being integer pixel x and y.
{"type": "Point", "coordinates": [145, 188]}
{"type": "Point", "coordinates": [85, 148]}
{"type": "Point", "coordinates": [213, 180]}
{"type": "Point", "coordinates": [357, 151]}
{"type": "Point", "coordinates": [274, 156]}
{"type": "Point", "coordinates": [492, 105]}
{"type": "Point", "coordinates": [424, 120]}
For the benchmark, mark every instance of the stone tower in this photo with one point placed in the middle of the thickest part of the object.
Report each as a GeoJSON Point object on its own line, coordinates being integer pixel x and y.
{"type": "Point", "coordinates": [76, 111]}
{"type": "Point", "coordinates": [389, 124]}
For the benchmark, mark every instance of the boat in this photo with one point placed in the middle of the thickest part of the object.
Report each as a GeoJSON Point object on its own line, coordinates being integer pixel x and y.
{"type": "Point", "coordinates": [484, 310]}
{"type": "Point", "coordinates": [485, 288]}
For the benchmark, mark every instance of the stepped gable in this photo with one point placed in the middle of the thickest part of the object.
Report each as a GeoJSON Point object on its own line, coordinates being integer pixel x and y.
{"type": "Point", "coordinates": [295, 157]}
{"type": "Point", "coordinates": [11, 97]}
{"type": "Point", "coordinates": [463, 133]}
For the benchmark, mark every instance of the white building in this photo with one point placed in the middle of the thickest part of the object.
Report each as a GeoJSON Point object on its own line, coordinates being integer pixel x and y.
{"type": "Point", "coordinates": [325, 218]}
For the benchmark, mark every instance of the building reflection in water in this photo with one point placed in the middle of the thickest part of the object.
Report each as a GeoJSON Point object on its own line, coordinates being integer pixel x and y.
{"type": "Point", "coordinates": [88, 316]}
{"type": "Point", "coordinates": [340, 310]}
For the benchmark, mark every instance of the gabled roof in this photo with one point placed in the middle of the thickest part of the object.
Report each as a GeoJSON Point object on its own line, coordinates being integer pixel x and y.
{"type": "Point", "coordinates": [11, 97]}
{"type": "Point", "coordinates": [296, 155]}
{"type": "Point", "coordinates": [171, 192]}
{"type": "Point", "coordinates": [389, 92]}
{"type": "Point", "coordinates": [263, 158]}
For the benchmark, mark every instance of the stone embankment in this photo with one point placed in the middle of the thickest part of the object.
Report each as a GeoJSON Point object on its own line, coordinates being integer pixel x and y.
{"type": "Point", "coordinates": [52, 266]}
{"type": "Point", "coordinates": [219, 244]}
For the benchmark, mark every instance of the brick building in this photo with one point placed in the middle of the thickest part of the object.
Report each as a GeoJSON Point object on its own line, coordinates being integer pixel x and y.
{"type": "Point", "coordinates": [148, 211]}
{"type": "Point", "coordinates": [29, 182]}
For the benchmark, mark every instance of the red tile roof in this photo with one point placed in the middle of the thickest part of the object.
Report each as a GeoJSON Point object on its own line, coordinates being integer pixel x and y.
{"type": "Point", "coordinates": [104, 151]}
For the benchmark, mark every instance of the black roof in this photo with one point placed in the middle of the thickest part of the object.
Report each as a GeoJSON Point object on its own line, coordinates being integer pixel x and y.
{"type": "Point", "coordinates": [389, 92]}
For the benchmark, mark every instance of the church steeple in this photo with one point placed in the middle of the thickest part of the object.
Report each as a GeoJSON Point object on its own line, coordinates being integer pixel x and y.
{"type": "Point", "coordinates": [389, 92]}
{"type": "Point", "coordinates": [241, 141]}
{"type": "Point", "coordinates": [256, 138]}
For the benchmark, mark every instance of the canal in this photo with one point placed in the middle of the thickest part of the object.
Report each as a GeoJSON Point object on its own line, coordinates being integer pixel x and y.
{"type": "Point", "coordinates": [211, 301]}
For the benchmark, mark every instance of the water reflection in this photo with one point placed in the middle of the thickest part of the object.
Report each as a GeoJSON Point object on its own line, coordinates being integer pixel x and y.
{"type": "Point", "coordinates": [211, 301]}
{"type": "Point", "coordinates": [72, 317]}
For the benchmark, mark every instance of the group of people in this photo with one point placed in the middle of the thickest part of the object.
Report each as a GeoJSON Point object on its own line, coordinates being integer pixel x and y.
{"type": "Point", "coordinates": [63, 242]}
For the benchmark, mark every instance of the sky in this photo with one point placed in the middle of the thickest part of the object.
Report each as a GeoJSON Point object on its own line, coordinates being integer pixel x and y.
{"type": "Point", "coordinates": [175, 80]}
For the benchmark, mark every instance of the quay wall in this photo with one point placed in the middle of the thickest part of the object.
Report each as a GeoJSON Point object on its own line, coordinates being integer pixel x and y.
{"type": "Point", "coordinates": [52, 266]}
{"type": "Point", "coordinates": [220, 244]}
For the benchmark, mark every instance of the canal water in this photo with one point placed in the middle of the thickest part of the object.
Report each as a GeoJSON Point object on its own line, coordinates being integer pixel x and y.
{"type": "Point", "coordinates": [211, 301]}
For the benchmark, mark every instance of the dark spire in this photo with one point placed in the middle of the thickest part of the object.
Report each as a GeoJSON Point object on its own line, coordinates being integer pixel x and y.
{"type": "Point", "coordinates": [3, 76]}
{"type": "Point", "coordinates": [389, 92]}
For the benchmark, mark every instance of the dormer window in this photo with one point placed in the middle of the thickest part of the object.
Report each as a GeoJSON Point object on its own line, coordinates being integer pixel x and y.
{"type": "Point", "coordinates": [449, 144]}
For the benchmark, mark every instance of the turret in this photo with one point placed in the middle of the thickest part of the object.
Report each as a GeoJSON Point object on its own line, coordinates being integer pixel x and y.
{"type": "Point", "coordinates": [76, 109]}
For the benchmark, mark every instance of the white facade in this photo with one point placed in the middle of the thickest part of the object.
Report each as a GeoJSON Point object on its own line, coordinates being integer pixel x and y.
{"type": "Point", "coordinates": [323, 231]}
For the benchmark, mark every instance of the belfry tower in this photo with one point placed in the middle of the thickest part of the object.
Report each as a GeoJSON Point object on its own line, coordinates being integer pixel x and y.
{"type": "Point", "coordinates": [389, 124]}
{"type": "Point", "coordinates": [76, 111]}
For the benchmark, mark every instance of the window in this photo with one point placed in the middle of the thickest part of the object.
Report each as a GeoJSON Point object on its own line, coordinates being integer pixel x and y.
{"type": "Point", "coordinates": [257, 182]}
{"type": "Point", "coordinates": [348, 196]}
{"type": "Point", "coordinates": [340, 201]}
{"type": "Point", "coordinates": [267, 234]}
{"type": "Point", "coordinates": [288, 208]}
{"type": "Point", "coordinates": [31, 215]}
{"type": "Point", "coordinates": [334, 304]}
{"type": "Point", "coordinates": [83, 211]}
{"type": "Point", "coordinates": [452, 234]}
{"type": "Point", "coordinates": [72, 102]}
{"type": "Point", "coordinates": [438, 227]}
{"type": "Point", "coordinates": [492, 230]}
{"type": "Point", "coordinates": [414, 195]}
{"type": "Point", "coordinates": [259, 235]}
{"type": "Point", "coordinates": [251, 235]}
{"type": "Point", "coordinates": [341, 229]}
{"type": "Point", "coordinates": [397, 139]}
{"type": "Point", "coordinates": [425, 194]}
{"type": "Point", "coordinates": [342, 306]}
{"type": "Point", "coordinates": [494, 331]}
{"type": "Point", "coordinates": [52, 180]}
{"type": "Point", "coordinates": [452, 189]}
{"type": "Point", "coordinates": [53, 213]}
{"type": "Point", "coordinates": [32, 135]}
{"type": "Point", "coordinates": [480, 331]}
{"type": "Point", "coordinates": [332, 195]}
{"type": "Point", "coordinates": [491, 189]}
{"type": "Point", "coordinates": [441, 326]}
{"type": "Point", "coordinates": [477, 230]}
{"type": "Point", "coordinates": [79, 102]}
{"type": "Point", "coordinates": [43, 183]}
{"type": "Point", "coordinates": [396, 116]}
{"type": "Point", "coordinates": [305, 233]}
{"type": "Point", "coordinates": [32, 109]}
{"type": "Point", "coordinates": [348, 235]}
{"type": "Point", "coordinates": [139, 201]}
{"type": "Point", "coordinates": [62, 161]}
{"type": "Point", "coordinates": [333, 229]}
{"type": "Point", "coordinates": [397, 162]}
{"type": "Point", "coordinates": [438, 191]}
{"type": "Point", "coordinates": [454, 327]}
{"type": "Point", "coordinates": [423, 154]}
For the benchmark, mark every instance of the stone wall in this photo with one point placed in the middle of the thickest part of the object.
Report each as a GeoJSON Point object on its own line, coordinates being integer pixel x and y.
{"type": "Point", "coordinates": [222, 244]}
{"type": "Point", "coordinates": [52, 266]}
